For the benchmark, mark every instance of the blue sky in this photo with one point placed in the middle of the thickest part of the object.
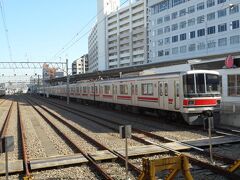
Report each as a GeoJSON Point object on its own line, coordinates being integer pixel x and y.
{"type": "Point", "coordinates": [38, 29]}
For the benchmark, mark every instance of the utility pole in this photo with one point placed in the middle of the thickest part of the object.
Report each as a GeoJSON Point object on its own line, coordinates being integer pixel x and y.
{"type": "Point", "coordinates": [67, 81]}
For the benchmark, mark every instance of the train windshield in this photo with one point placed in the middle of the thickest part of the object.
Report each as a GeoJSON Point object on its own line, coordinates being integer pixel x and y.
{"type": "Point", "coordinates": [199, 85]}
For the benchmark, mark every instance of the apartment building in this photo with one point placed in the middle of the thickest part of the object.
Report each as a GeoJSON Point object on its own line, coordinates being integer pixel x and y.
{"type": "Point", "coordinates": [97, 36]}
{"type": "Point", "coordinates": [80, 66]}
{"type": "Point", "coordinates": [183, 29]}
{"type": "Point", "coordinates": [126, 35]}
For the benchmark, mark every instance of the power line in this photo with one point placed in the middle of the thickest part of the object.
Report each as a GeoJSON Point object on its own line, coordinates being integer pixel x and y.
{"type": "Point", "coordinates": [6, 29]}
{"type": "Point", "coordinates": [72, 43]}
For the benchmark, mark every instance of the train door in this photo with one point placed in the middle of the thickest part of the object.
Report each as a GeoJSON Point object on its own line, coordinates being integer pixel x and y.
{"type": "Point", "coordinates": [165, 95]}
{"type": "Point", "coordinates": [176, 94]}
{"type": "Point", "coordinates": [160, 94]}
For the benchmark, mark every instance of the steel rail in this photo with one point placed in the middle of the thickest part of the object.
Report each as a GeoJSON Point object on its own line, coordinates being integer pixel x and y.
{"type": "Point", "coordinates": [71, 143]}
{"type": "Point", "coordinates": [23, 143]}
{"type": "Point", "coordinates": [139, 139]}
{"type": "Point", "coordinates": [4, 128]}
{"type": "Point", "coordinates": [213, 168]}
{"type": "Point", "coordinates": [95, 142]}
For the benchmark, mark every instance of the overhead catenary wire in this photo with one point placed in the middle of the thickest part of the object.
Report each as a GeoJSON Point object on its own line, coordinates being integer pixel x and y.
{"type": "Point", "coordinates": [74, 40]}
{"type": "Point", "coordinates": [5, 29]}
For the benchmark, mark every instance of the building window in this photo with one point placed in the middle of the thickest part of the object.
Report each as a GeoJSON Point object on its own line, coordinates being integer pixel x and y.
{"type": "Point", "coordinates": [234, 9]}
{"type": "Point", "coordinates": [160, 31]}
{"type": "Point", "coordinates": [192, 34]}
{"type": "Point", "coordinates": [167, 29]}
{"type": "Point", "coordinates": [200, 6]}
{"type": "Point", "coordinates": [234, 85]}
{"type": "Point", "coordinates": [235, 39]}
{"type": "Point", "coordinates": [201, 32]}
{"type": "Point", "coordinates": [222, 42]}
{"type": "Point", "coordinates": [210, 3]}
{"type": "Point", "coordinates": [211, 16]}
{"type": "Point", "coordinates": [191, 22]}
{"type": "Point", "coordinates": [235, 24]}
{"type": "Point", "coordinates": [167, 52]}
{"type": "Point", "coordinates": [222, 27]}
{"type": "Point", "coordinates": [211, 44]}
{"type": "Point", "coordinates": [174, 27]}
{"type": "Point", "coordinates": [147, 89]}
{"type": "Point", "coordinates": [183, 37]}
{"type": "Point", "coordinates": [211, 30]}
{"type": "Point", "coordinates": [167, 18]}
{"type": "Point", "coordinates": [201, 46]}
{"type": "Point", "coordinates": [222, 13]}
{"type": "Point", "coordinates": [191, 9]}
{"type": "Point", "coordinates": [175, 50]}
{"type": "Point", "coordinates": [175, 39]}
{"type": "Point", "coordinates": [200, 19]}
{"type": "Point", "coordinates": [182, 12]}
{"type": "Point", "coordinates": [177, 2]}
{"type": "Point", "coordinates": [174, 15]}
{"type": "Point", "coordinates": [160, 53]}
{"type": "Point", "coordinates": [160, 20]}
{"type": "Point", "coordinates": [160, 42]}
{"type": "Point", "coordinates": [221, 1]}
{"type": "Point", "coordinates": [192, 47]}
{"type": "Point", "coordinates": [183, 24]}
{"type": "Point", "coordinates": [183, 49]}
{"type": "Point", "coordinates": [167, 40]}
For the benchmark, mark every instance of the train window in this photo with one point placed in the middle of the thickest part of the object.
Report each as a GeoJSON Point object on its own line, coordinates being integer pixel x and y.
{"type": "Point", "coordinates": [147, 89]}
{"type": "Point", "coordinates": [92, 89]}
{"type": "Point", "coordinates": [123, 89]}
{"type": "Point", "coordinates": [213, 83]}
{"type": "Point", "coordinates": [84, 89]}
{"type": "Point", "coordinates": [188, 84]}
{"type": "Point", "coordinates": [200, 83]}
{"type": "Point", "coordinates": [136, 89]}
{"type": "Point", "coordinates": [166, 89]}
{"type": "Point", "coordinates": [177, 89]}
{"type": "Point", "coordinates": [160, 89]}
{"type": "Point", "coordinates": [106, 89]}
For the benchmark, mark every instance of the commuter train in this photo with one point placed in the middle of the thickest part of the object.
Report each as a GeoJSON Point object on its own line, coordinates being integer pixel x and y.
{"type": "Point", "coordinates": [186, 94]}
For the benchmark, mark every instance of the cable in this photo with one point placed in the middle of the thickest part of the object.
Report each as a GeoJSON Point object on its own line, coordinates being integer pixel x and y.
{"type": "Point", "coordinates": [64, 49]}
{"type": "Point", "coordinates": [6, 29]}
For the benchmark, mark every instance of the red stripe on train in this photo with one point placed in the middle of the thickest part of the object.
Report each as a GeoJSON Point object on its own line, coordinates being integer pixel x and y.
{"type": "Point", "coordinates": [148, 98]}
{"type": "Point", "coordinates": [124, 97]}
{"type": "Point", "coordinates": [200, 102]}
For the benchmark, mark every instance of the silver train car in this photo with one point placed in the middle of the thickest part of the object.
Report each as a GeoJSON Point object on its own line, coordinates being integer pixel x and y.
{"type": "Point", "coordinates": [186, 94]}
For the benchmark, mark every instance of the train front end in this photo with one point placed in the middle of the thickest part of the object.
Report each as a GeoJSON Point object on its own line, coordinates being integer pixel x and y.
{"type": "Point", "coordinates": [201, 94]}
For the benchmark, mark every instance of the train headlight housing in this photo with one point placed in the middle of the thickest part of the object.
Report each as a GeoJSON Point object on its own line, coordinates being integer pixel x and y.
{"type": "Point", "coordinates": [191, 102]}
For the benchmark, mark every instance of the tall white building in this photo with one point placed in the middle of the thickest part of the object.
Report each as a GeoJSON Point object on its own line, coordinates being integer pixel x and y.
{"type": "Point", "coordinates": [80, 65]}
{"type": "Point", "coordinates": [97, 37]}
{"type": "Point", "coordinates": [183, 29]}
{"type": "Point", "coordinates": [127, 35]}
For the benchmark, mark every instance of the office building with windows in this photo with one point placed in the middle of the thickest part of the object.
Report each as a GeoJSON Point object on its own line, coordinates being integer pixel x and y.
{"type": "Point", "coordinates": [127, 35]}
{"type": "Point", "coordinates": [184, 29]}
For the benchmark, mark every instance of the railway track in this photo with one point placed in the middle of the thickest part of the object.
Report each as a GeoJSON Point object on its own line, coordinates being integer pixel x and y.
{"type": "Point", "coordinates": [195, 161]}
{"type": "Point", "coordinates": [84, 135]}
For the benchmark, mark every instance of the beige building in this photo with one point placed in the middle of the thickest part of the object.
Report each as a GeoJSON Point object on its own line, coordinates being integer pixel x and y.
{"type": "Point", "coordinates": [80, 66]}
{"type": "Point", "coordinates": [126, 36]}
